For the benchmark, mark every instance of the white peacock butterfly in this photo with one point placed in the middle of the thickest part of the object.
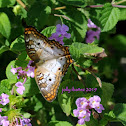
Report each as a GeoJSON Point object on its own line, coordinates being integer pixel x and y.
{"type": "Point", "coordinates": [51, 61]}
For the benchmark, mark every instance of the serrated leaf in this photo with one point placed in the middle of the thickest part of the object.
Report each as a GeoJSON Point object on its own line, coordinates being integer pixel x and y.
{"type": "Point", "coordinates": [78, 49]}
{"type": "Point", "coordinates": [59, 123]}
{"type": "Point", "coordinates": [5, 27]}
{"type": "Point", "coordinates": [48, 31]}
{"type": "Point", "coordinates": [107, 92]}
{"type": "Point", "coordinates": [4, 3]}
{"type": "Point", "coordinates": [79, 3]}
{"type": "Point", "coordinates": [120, 112]}
{"type": "Point", "coordinates": [18, 44]}
{"type": "Point", "coordinates": [78, 26]}
{"type": "Point", "coordinates": [109, 18]}
{"type": "Point", "coordinates": [12, 78]}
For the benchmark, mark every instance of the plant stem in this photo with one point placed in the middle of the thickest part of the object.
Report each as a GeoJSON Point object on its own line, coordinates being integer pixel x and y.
{"type": "Point", "coordinates": [114, 5]}
{"type": "Point", "coordinates": [79, 77]}
{"type": "Point", "coordinates": [119, 6]}
{"type": "Point", "coordinates": [120, 2]}
{"type": "Point", "coordinates": [59, 8]}
{"type": "Point", "coordinates": [22, 4]}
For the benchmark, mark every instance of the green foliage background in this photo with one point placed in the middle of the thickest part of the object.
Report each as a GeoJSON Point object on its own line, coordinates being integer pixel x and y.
{"type": "Point", "coordinates": [111, 69]}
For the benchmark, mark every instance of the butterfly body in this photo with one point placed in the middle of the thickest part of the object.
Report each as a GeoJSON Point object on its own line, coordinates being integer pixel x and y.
{"type": "Point", "coordinates": [51, 60]}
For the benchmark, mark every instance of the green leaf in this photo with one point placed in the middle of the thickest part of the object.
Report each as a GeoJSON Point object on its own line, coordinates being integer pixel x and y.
{"type": "Point", "coordinates": [122, 14]}
{"type": "Point", "coordinates": [18, 44]}
{"type": "Point", "coordinates": [12, 78]}
{"type": "Point", "coordinates": [5, 27]}
{"type": "Point", "coordinates": [78, 26]}
{"type": "Point", "coordinates": [59, 123]}
{"type": "Point", "coordinates": [30, 88]}
{"type": "Point", "coordinates": [37, 15]}
{"type": "Point", "coordinates": [107, 92]}
{"type": "Point", "coordinates": [22, 60]}
{"type": "Point", "coordinates": [19, 10]}
{"type": "Point", "coordinates": [109, 18]}
{"type": "Point", "coordinates": [48, 10]}
{"type": "Point", "coordinates": [4, 3]}
{"type": "Point", "coordinates": [48, 31]}
{"type": "Point", "coordinates": [120, 112]}
{"type": "Point", "coordinates": [78, 49]}
{"type": "Point", "coordinates": [3, 49]}
{"type": "Point", "coordinates": [119, 42]}
{"type": "Point", "coordinates": [13, 113]}
{"type": "Point", "coordinates": [26, 115]}
{"type": "Point", "coordinates": [79, 3]}
{"type": "Point", "coordinates": [38, 104]}
{"type": "Point", "coordinates": [5, 86]}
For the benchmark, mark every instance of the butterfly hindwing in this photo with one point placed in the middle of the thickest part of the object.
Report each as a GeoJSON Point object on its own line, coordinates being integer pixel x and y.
{"type": "Point", "coordinates": [48, 77]}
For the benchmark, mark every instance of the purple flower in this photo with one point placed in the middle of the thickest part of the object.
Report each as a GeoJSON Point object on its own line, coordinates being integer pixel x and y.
{"type": "Point", "coordinates": [82, 120]}
{"type": "Point", "coordinates": [91, 35]}
{"type": "Point", "coordinates": [26, 122]}
{"type": "Point", "coordinates": [61, 32]}
{"type": "Point", "coordinates": [94, 101]}
{"type": "Point", "coordinates": [30, 72]}
{"type": "Point", "coordinates": [0, 109]}
{"type": "Point", "coordinates": [4, 121]}
{"type": "Point", "coordinates": [91, 24]}
{"type": "Point", "coordinates": [99, 108]}
{"type": "Point", "coordinates": [82, 102]}
{"type": "Point", "coordinates": [4, 99]}
{"type": "Point", "coordinates": [13, 70]}
{"type": "Point", "coordinates": [79, 112]}
{"type": "Point", "coordinates": [20, 88]}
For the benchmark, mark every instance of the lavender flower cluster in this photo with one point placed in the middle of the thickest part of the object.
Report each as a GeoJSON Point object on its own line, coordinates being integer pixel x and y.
{"type": "Point", "coordinates": [91, 34]}
{"type": "Point", "coordinates": [61, 32]}
{"type": "Point", "coordinates": [83, 108]}
{"type": "Point", "coordinates": [28, 72]}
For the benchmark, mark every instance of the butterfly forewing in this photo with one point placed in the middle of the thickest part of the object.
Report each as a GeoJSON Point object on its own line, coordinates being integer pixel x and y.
{"type": "Point", "coordinates": [40, 48]}
{"type": "Point", "coordinates": [51, 61]}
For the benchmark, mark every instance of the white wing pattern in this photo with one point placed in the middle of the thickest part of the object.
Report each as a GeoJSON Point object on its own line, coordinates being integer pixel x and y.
{"type": "Point", "coordinates": [51, 61]}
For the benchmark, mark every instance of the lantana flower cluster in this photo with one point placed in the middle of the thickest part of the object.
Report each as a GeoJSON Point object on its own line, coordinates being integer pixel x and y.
{"type": "Point", "coordinates": [4, 99]}
{"type": "Point", "coordinates": [23, 74]}
{"type": "Point", "coordinates": [93, 32]}
{"type": "Point", "coordinates": [83, 108]}
{"type": "Point", "coordinates": [61, 32]}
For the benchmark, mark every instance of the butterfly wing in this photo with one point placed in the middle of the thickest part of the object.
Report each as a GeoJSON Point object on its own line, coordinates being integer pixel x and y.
{"type": "Point", "coordinates": [49, 75]}
{"type": "Point", "coordinates": [39, 47]}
